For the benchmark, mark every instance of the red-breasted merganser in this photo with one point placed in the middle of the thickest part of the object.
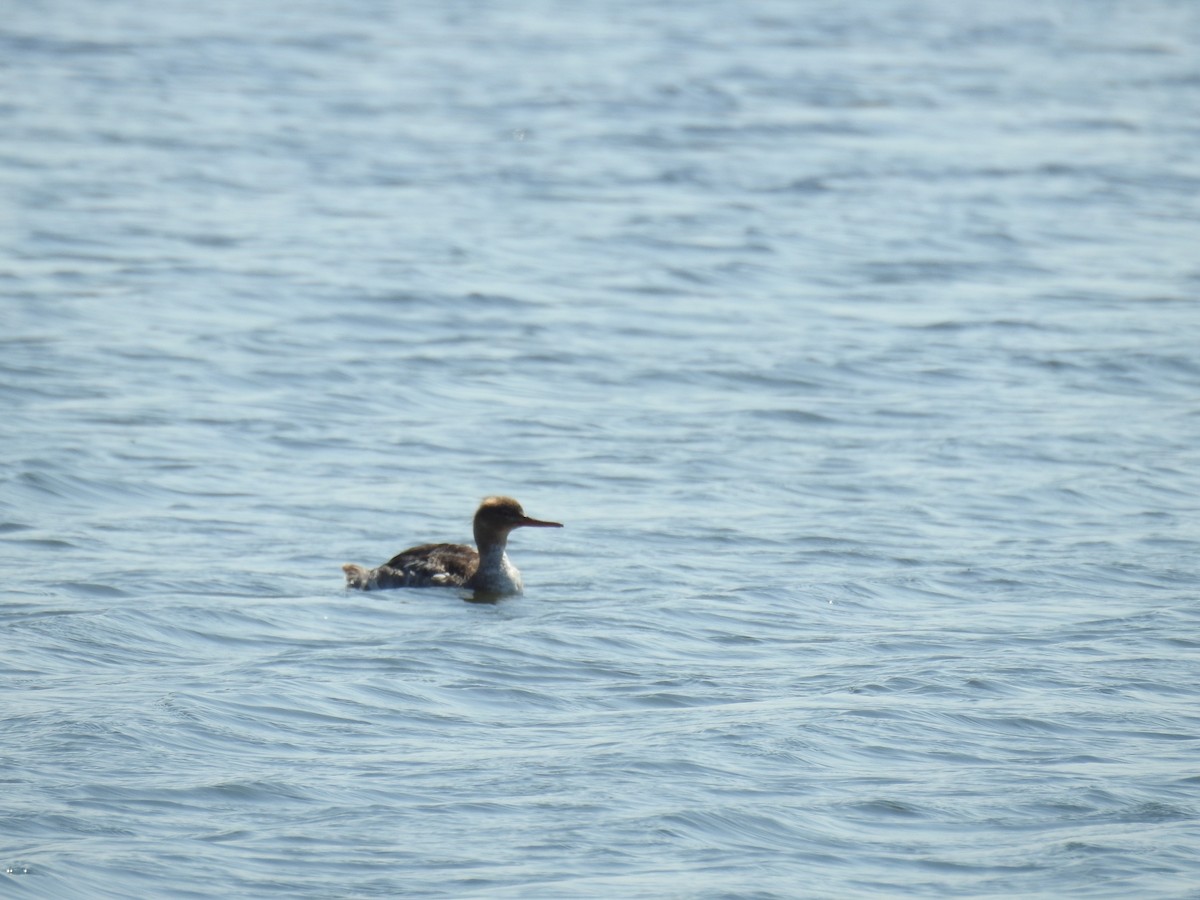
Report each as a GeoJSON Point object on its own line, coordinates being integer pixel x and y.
{"type": "Point", "coordinates": [487, 570]}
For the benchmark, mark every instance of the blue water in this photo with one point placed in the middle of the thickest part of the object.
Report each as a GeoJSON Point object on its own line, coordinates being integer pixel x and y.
{"type": "Point", "coordinates": [856, 345]}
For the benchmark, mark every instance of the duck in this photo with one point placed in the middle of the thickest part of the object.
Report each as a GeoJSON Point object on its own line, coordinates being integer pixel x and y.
{"type": "Point", "coordinates": [484, 568]}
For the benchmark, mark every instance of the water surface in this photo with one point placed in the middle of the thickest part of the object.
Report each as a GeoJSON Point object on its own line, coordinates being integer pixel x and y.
{"type": "Point", "coordinates": [855, 345]}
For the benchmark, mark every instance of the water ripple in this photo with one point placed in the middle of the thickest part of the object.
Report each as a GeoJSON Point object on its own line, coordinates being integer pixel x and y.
{"type": "Point", "coordinates": [856, 353]}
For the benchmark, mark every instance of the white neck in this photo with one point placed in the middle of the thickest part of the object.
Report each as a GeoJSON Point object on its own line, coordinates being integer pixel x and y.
{"type": "Point", "coordinates": [496, 573]}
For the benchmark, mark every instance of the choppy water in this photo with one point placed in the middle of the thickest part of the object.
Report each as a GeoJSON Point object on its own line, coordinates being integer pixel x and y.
{"type": "Point", "coordinates": [855, 344]}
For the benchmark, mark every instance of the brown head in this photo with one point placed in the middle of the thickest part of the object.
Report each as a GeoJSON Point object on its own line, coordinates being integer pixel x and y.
{"type": "Point", "coordinates": [497, 516]}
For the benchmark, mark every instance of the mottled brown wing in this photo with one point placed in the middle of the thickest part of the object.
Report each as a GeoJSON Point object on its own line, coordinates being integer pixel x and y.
{"type": "Point", "coordinates": [434, 564]}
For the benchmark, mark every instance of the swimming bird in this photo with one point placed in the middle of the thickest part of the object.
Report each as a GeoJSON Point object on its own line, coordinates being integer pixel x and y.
{"type": "Point", "coordinates": [486, 570]}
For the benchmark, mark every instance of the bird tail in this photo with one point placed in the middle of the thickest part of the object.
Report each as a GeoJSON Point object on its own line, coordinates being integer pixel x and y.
{"type": "Point", "coordinates": [357, 577]}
